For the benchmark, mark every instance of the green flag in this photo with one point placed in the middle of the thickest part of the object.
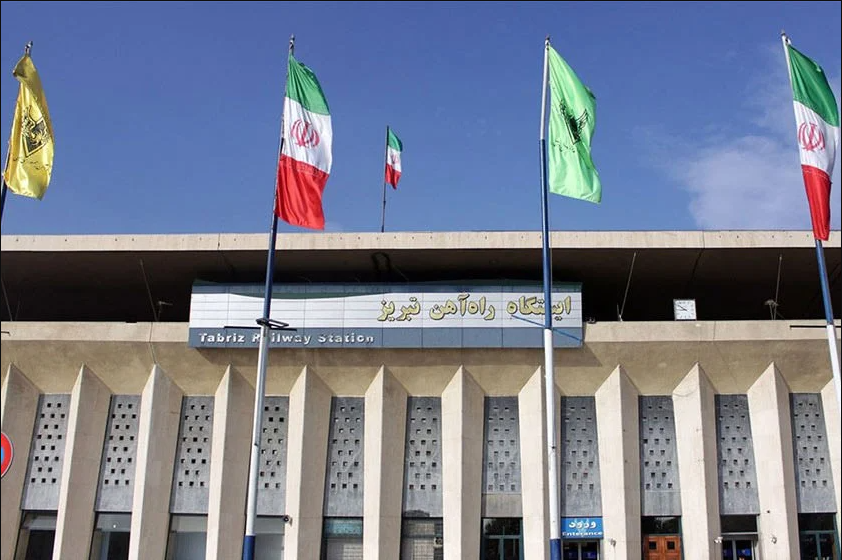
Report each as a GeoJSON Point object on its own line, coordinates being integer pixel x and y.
{"type": "Point", "coordinates": [572, 119]}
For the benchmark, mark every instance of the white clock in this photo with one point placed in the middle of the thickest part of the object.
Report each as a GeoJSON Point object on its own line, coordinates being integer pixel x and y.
{"type": "Point", "coordinates": [684, 309]}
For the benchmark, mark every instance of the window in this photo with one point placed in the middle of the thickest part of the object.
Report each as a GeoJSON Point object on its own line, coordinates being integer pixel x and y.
{"type": "Point", "coordinates": [111, 536]}
{"type": "Point", "coordinates": [37, 536]}
{"type": "Point", "coordinates": [188, 537]}
{"type": "Point", "coordinates": [422, 539]}
{"type": "Point", "coordinates": [269, 538]}
{"type": "Point", "coordinates": [342, 538]}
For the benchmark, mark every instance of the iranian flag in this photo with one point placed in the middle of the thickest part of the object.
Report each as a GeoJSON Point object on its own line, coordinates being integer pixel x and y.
{"type": "Point", "coordinates": [817, 125]}
{"type": "Point", "coordinates": [306, 155]}
{"type": "Point", "coordinates": [394, 147]}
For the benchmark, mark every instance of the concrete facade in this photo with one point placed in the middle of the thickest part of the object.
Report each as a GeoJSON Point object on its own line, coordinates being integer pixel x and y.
{"type": "Point", "coordinates": [690, 363]}
{"type": "Point", "coordinates": [89, 404]}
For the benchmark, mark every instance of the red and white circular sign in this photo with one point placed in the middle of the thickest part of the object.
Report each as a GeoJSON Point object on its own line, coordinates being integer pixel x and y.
{"type": "Point", "coordinates": [6, 453]}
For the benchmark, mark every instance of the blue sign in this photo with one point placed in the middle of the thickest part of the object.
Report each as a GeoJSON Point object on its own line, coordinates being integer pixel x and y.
{"type": "Point", "coordinates": [581, 528]}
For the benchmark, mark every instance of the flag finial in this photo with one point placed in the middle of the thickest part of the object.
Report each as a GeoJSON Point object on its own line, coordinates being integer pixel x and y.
{"type": "Point", "coordinates": [28, 48]}
{"type": "Point", "coordinates": [547, 40]}
{"type": "Point", "coordinates": [292, 44]}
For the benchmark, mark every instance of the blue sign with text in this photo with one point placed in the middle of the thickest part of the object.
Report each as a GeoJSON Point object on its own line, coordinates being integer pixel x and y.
{"type": "Point", "coordinates": [581, 528]}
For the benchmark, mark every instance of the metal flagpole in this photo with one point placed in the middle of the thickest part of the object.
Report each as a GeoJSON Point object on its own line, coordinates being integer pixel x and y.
{"type": "Point", "coordinates": [828, 310]}
{"type": "Point", "coordinates": [386, 162]}
{"type": "Point", "coordinates": [828, 314]}
{"type": "Point", "coordinates": [549, 371]}
{"type": "Point", "coordinates": [262, 358]}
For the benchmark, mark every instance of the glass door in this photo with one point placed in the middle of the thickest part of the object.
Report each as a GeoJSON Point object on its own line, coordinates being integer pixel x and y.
{"type": "Point", "coordinates": [818, 545]}
{"type": "Point", "coordinates": [580, 550]}
{"type": "Point", "coordinates": [501, 539]}
{"type": "Point", "coordinates": [733, 549]}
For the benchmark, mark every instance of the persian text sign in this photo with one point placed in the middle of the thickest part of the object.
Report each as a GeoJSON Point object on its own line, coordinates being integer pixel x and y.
{"type": "Point", "coordinates": [386, 316]}
{"type": "Point", "coordinates": [581, 528]}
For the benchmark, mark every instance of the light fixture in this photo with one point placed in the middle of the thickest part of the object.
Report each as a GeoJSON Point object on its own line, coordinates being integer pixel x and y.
{"type": "Point", "coordinates": [612, 542]}
{"type": "Point", "coordinates": [774, 539]}
{"type": "Point", "coordinates": [718, 540]}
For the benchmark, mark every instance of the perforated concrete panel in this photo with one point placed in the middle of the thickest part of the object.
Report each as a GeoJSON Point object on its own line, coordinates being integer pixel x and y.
{"type": "Point", "coordinates": [735, 455]}
{"type": "Point", "coordinates": [344, 473]}
{"type": "Point", "coordinates": [660, 492]}
{"type": "Point", "coordinates": [117, 468]}
{"type": "Point", "coordinates": [192, 457]}
{"type": "Point", "coordinates": [580, 490]}
{"type": "Point", "coordinates": [46, 455]}
{"type": "Point", "coordinates": [812, 457]}
{"type": "Point", "coordinates": [501, 452]}
{"type": "Point", "coordinates": [422, 492]}
{"type": "Point", "coordinates": [271, 489]}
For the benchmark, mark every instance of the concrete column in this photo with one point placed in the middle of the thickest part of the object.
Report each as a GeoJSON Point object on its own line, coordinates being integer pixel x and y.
{"type": "Point", "coordinates": [695, 434]}
{"type": "Point", "coordinates": [462, 411]}
{"type": "Point", "coordinates": [533, 460]}
{"type": "Point", "coordinates": [233, 414]}
{"type": "Point", "coordinates": [19, 402]}
{"type": "Point", "coordinates": [832, 425]}
{"type": "Point", "coordinates": [309, 421]}
{"type": "Point", "coordinates": [771, 427]}
{"type": "Point", "coordinates": [90, 402]}
{"type": "Point", "coordinates": [385, 438]}
{"type": "Point", "coordinates": [160, 415]}
{"type": "Point", "coordinates": [618, 427]}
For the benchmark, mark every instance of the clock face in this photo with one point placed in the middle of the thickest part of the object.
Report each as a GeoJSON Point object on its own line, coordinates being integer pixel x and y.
{"type": "Point", "coordinates": [684, 309]}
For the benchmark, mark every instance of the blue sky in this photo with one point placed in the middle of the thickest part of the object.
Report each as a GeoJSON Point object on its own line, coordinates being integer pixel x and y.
{"type": "Point", "coordinates": [167, 115]}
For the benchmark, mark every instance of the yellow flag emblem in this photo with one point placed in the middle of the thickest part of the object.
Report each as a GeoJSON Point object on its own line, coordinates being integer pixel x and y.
{"type": "Point", "coordinates": [29, 164]}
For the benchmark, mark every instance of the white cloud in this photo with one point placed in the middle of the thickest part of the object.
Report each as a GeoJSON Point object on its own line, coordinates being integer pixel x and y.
{"type": "Point", "coordinates": [751, 180]}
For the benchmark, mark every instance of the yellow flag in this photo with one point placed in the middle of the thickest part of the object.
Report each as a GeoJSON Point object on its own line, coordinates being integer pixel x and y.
{"type": "Point", "coordinates": [31, 145]}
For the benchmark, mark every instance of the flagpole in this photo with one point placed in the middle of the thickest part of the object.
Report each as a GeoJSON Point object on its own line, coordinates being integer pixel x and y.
{"type": "Point", "coordinates": [831, 331]}
{"type": "Point", "coordinates": [385, 162]}
{"type": "Point", "coordinates": [262, 358]}
{"type": "Point", "coordinates": [549, 370]}
{"type": "Point", "coordinates": [828, 310]}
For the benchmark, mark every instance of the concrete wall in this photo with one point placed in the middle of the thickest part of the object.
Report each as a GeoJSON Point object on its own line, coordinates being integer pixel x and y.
{"type": "Point", "coordinates": [232, 429]}
{"type": "Point", "coordinates": [771, 427]}
{"type": "Point", "coordinates": [651, 358]}
{"type": "Point", "coordinates": [90, 402]}
{"type": "Point", "coordinates": [619, 463]}
{"type": "Point", "coordinates": [462, 411]}
{"type": "Point", "coordinates": [533, 455]}
{"type": "Point", "coordinates": [695, 433]}
{"type": "Point", "coordinates": [160, 415]}
{"type": "Point", "coordinates": [385, 438]}
{"type": "Point", "coordinates": [19, 403]}
{"type": "Point", "coordinates": [309, 420]}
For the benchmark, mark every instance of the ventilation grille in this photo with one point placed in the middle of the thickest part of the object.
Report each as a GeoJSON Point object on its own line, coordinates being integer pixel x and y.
{"type": "Point", "coordinates": [271, 489]}
{"type": "Point", "coordinates": [735, 454]}
{"type": "Point", "coordinates": [658, 459]}
{"type": "Point", "coordinates": [422, 472]}
{"type": "Point", "coordinates": [580, 464]}
{"type": "Point", "coordinates": [192, 462]}
{"type": "Point", "coordinates": [501, 459]}
{"type": "Point", "coordinates": [812, 458]}
{"type": "Point", "coordinates": [116, 475]}
{"type": "Point", "coordinates": [46, 456]}
{"type": "Point", "coordinates": [344, 484]}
